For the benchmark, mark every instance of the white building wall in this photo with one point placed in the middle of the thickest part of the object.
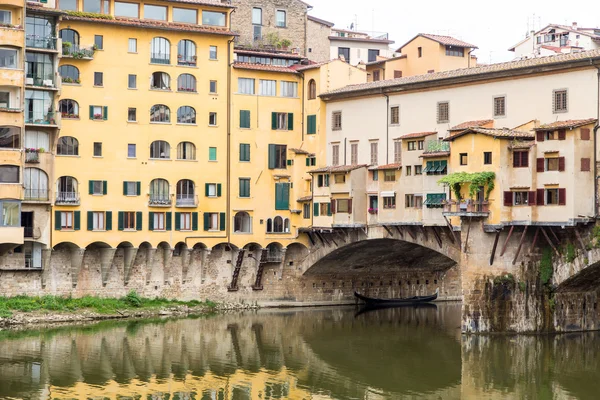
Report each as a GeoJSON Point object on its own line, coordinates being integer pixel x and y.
{"type": "Point", "coordinates": [359, 51]}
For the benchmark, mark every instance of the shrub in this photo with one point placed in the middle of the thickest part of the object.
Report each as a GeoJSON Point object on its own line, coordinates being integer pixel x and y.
{"type": "Point", "coordinates": [133, 299]}
{"type": "Point", "coordinates": [546, 267]}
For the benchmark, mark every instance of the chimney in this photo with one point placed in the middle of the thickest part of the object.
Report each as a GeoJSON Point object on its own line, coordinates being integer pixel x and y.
{"type": "Point", "coordinates": [574, 25]}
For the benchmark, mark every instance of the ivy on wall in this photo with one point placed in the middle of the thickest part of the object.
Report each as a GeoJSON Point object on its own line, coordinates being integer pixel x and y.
{"type": "Point", "coordinates": [475, 180]}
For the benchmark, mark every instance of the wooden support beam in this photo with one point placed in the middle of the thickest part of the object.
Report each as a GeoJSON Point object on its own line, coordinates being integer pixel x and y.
{"type": "Point", "coordinates": [467, 238]}
{"type": "Point", "coordinates": [310, 238]}
{"type": "Point", "coordinates": [580, 240]}
{"type": "Point", "coordinates": [389, 231]}
{"type": "Point", "coordinates": [410, 232]}
{"type": "Point", "coordinates": [320, 238]}
{"type": "Point", "coordinates": [550, 241]}
{"type": "Point", "coordinates": [554, 235]}
{"type": "Point", "coordinates": [512, 228]}
{"type": "Point", "coordinates": [451, 229]}
{"type": "Point", "coordinates": [332, 238]}
{"type": "Point", "coordinates": [424, 230]}
{"type": "Point", "coordinates": [399, 231]}
{"type": "Point", "coordinates": [438, 239]}
{"type": "Point", "coordinates": [493, 255]}
{"type": "Point", "coordinates": [535, 238]}
{"type": "Point", "coordinates": [520, 245]}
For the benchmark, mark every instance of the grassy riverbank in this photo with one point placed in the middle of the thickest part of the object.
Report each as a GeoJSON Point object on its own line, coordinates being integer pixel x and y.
{"type": "Point", "coordinates": [57, 304]}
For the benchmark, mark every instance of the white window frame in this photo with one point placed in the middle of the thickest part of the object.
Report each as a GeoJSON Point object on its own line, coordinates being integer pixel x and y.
{"type": "Point", "coordinates": [158, 223]}
{"type": "Point", "coordinates": [98, 221]}
{"type": "Point", "coordinates": [67, 220]}
{"type": "Point", "coordinates": [246, 86]}
{"type": "Point", "coordinates": [289, 89]}
{"type": "Point", "coordinates": [267, 87]}
{"type": "Point", "coordinates": [185, 221]}
{"type": "Point", "coordinates": [212, 190]}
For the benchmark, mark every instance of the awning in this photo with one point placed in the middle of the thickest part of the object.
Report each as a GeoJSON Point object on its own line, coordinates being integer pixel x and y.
{"type": "Point", "coordinates": [434, 199]}
{"type": "Point", "coordinates": [389, 193]}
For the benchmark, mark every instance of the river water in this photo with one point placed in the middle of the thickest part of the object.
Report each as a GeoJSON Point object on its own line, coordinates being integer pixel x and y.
{"type": "Point", "coordinates": [322, 353]}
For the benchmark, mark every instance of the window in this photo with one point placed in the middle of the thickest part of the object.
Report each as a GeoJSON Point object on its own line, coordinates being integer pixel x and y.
{"type": "Point", "coordinates": [39, 69]}
{"type": "Point", "coordinates": [552, 196]}
{"type": "Point", "coordinates": [499, 106]}
{"type": "Point", "coordinates": [389, 202]}
{"type": "Point", "coordinates": [418, 170]}
{"type": "Point", "coordinates": [397, 74]}
{"type": "Point", "coordinates": [10, 138]}
{"type": "Point", "coordinates": [487, 157]}
{"type": "Point", "coordinates": [353, 153]}
{"type": "Point", "coordinates": [65, 5]}
{"type": "Point", "coordinates": [395, 115]}
{"type": "Point", "coordinates": [186, 193]}
{"type": "Point", "coordinates": [245, 119]}
{"type": "Point", "coordinates": [160, 192]}
{"type": "Point", "coordinates": [97, 149]}
{"type": "Point", "coordinates": [311, 161]}
{"type": "Point", "coordinates": [160, 81]}
{"type": "Point", "coordinates": [185, 15]}
{"type": "Point", "coordinates": [131, 150]}
{"type": "Point", "coordinates": [160, 113]}
{"type": "Point", "coordinates": [160, 149]}
{"type": "Point", "coordinates": [520, 159]}
{"type": "Point", "coordinates": [376, 75]}
{"type": "Point", "coordinates": [322, 180]}
{"type": "Point", "coordinates": [443, 112]}
{"type": "Point", "coordinates": [373, 55]}
{"type": "Point", "coordinates": [455, 51]}
{"type": "Point", "coordinates": [419, 52]}
{"type": "Point", "coordinates": [131, 114]}
{"type": "Point", "coordinates": [132, 81]}
{"type": "Point", "coordinates": [67, 146]}
{"type": "Point", "coordinates": [69, 74]}
{"type": "Point", "coordinates": [97, 221]}
{"type": "Point", "coordinates": [211, 221]}
{"type": "Point", "coordinates": [186, 151]}
{"type": "Point", "coordinates": [186, 115]}
{"type": "Point", "coordinates": [212, 119]}
{"type": "Point", "coordinates": [69, 109]}
{"type": "Point", "coordinates": [130, 10]}
{"type": "Point", "coordinates": [374, 153]}
{"type": "Point", "coordinates": [282, 121]}
{"type": "Point", "coordinates": [92, 6]}
{"type": "Point", "coordinates": [265, 87]}
{"type": "Point", "coordinates": [66, 218]}
{"type": "Point", "coordinates": [312, 89]}
{"type": "Point", "coordinates": [8, 58]}
{"type": "Point", "coordinates": [158, 221]}
{"type": "Point", "coordinates": [344, 53]}
{"type": "Point", "coordinates": [343, 206]}
{"type": "Point", "coordinates": [98, 78]}
{"type": "Point", "coordinates": [420, 144]}
{"type": "Point", "coordinates": [212, 154]}
{"type": "Point", "coordinates": [280, 19]}
{"type": "Point", "coordinates": [463, 158]}
{"type": "Point", "coordinates": [278, 225]}
{"type": "Point", "coordinates": [335, 154]}
{"type": "Point", "coordinates": [244, 187]}
{"type": "Point", "coordinates": [339, 178]}
{"type": "Point", "coordinates": [289, 89]}
{"type": "Point", "coordinates": [160, 51]}
{"type": "Point", "coordinates": [277, 156]}
{"type": "Point", "coordinates": [585, 165]}
{"type": "Point", "coordinates": [132, 45]}
{"type": "Point", "coordinates": [409, 201]}
{"type": "Point", "coordinates": [9, 174]}
{"type": "Point", "coordinates": [257, 32]}
{"type": "Point", "coordinates": [412, 145]}
{"type": "Point", "coordinates": [212, 55]}
{"type": "Point", "coordinates": [212, 190]}
{"type": "Point", "coordinates": [559, 101]}
{"type": "Point", "coordinates": [257, 16]}
{"type": "Point", "coordinates": [212, 86]}
{"type": "Point", "coordinates": [242, 223]}
{"type": "Point", "coordinates": [128, 220]}
{"type": "Point", "coordinates": [306, 211]}
{"type": "Point", "coordinates": [186, 83]}
{"type": "Point", "coordinates": [213, 18]}
{"type": "Point", "coordinates": [4, 99]}
{"type": "Point", "coordinates": [186, 53]}
{"type": "Point", "coordinates": [521, 198]}
{"type": "Point", "coordinates": [325, 208]}
{"type": "Point", "coordinates": [131, 188]}
{"type": "Point", "coordinates": [99, 42]}
{"type": "Point", "coordinates": [397, 151]}
{"type": "Point", "coordinates": [97, 188]}
{"type": "Point", "coordinates": [244, 152]}
{"type": "Point", "coordinates": [246, 86]}
{"type": "Point", "coordinates": [155, 12]}
{"type": "Point", "coordinates": [336, 121]}
{"type": "Point", "coordinates": [408, 170]}
{"type": "Point", "coordinates": [552, 164]}
{"type": "Point", "coordinates": [389, 175]}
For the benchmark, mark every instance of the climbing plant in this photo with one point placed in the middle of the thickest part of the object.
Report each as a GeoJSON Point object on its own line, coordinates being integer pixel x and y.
{"type": "Point", "coordinates": [475, 180]}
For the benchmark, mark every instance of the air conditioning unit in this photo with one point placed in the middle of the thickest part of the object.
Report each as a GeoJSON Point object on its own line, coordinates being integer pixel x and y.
{"type": "Point", "coordinates": [29, 81]}
{"type": "Point", "coordinates": [47, 82]}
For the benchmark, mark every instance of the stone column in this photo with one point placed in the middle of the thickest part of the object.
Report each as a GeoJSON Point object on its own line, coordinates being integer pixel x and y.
{"type": "Point", "coordinates": [129, 254]}
{"type": "Point", "coordinates": [149, 263]}
{"type": "Point", "coordinates": [46, 257]}
{"type": "Point", "coordinates": [281, 265]}
{"type": "Point", "coordinates": [107, 256]}
{"type": "Point", "coordinates": [203, 264]}
{"type": "Point", "coordinates": [76, 261]}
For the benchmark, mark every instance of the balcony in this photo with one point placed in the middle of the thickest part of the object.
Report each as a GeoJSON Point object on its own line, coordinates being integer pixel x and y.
{"type": "Point", "coordinates": [77, 52]}
{"type": "Point", "coordinates": [160, 200]}
{"type": "Point", "coordinates": [158, 58]}
{"type": "Point", "coordinates": [466, 208]}
{"type": "Point", "coordinates": [28, 232]}
{"type": "Point", "coordinates": [41, 43]}
{"type": "Point", "coordinates": [36, 195]}
{"type": "Point", "coordinates": [186, 200]}
{"type": "Point", "coordinates": [41, 118]}
{"type": "Point", "coordinates": [32, 157]}
{"type": "Point", "coordinates": [189, 61]}
{"type": "Point", "coordinates": [44, 82]}
{"type": "Point", "coordinates": [10, 237]}
{"type": "Point", "coordinates": [67, 199]}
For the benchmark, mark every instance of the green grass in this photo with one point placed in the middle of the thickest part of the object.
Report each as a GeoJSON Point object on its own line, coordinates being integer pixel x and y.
{"type": "Point", "coordinates": [8, 305]}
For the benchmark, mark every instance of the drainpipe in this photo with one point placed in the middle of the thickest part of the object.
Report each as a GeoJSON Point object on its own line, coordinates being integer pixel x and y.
{"type": "Point", "coordinates": [596, 145]}
{"type": "Point", "coordinates": [469, 60]}
{"type": "Point", "coordinates": [228, 159]}
{"type": "Point", "coordinates": [387, 127]}
{"type": "Point", "coordinates": [303, 110]}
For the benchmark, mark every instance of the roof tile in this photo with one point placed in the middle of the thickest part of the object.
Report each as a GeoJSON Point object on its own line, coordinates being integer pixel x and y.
{"type": "Point", "coordinates": [262, 67]}
{"type": "Point", "coordinates": [568, 124]}
{"type": "Point", "coordinates": [416, 135]}
{"type": "Point", "coordinates": [304, 199]}
{"type": "Point", "coordinates": [338, 168]}
{"type": "Point", "coordinates": [471, 124]}
{"type": "Point", "coordinates": [435, 154]}
{"type": "Point", "coordinates": [389, 166]}
{"type": "Point", "coordinates": [503, 133]}
{"type": "Point", "coordinates": [447, 40]}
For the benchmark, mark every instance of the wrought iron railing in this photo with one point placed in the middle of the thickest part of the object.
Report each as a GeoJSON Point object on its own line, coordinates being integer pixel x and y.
{"type": "Point", "coordinates": [67, 198]}
{"type": "Point", "coordinates": [158, 58]}
{"type": "Point", "coordinates": [77, 51]}
{"type": "Point", "coordinates": [274, 256]}
{"type": "Point", "coordinates": [160, 200]}
{"type": "Point", "coordinates": [37, 194]}
{"type": "Point", "coordinates": [189, 60]}
{"type": "Point", "coordinates": [40, 118]}
{"type": "Point", "coordinates": [48, 43]}
{"type": "Point", "coordinates": [186, 200]}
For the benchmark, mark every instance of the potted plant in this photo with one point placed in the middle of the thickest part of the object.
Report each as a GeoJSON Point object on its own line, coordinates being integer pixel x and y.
{"type": "Point", "coordinates": [97, 116]}
{"type": "Point", "coordinates": [373, 211]}
{"type": "Point", "coordinates": [285, 43]}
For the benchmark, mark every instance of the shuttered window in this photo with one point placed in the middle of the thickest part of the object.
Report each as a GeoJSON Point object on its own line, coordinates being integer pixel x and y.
{"type": "Point", "coordinates": [585, 165]}
{"type": "Point", "coordinates": [585, 134]}
{"type": "Point", "coordinates": [559, 101]}
{"type": "Point", "coordinates": [354, 153]}
{"type": "Point", "coordinates": [374, 153]}
{"type": "Point", "coordinates": [395, 115]}
{"type": "Point", "coordinates": [336, 121]}
{"type": "Point", "coordinates": [244, 152]}
{"type": "Point", "coordinates": [282, 121]}
{"type": "Point", "coordinates": [335, 154]}
{"type": "Point", "coordinates": [245, 119]}
{"type": "Point", "coordinates": [520, 159]}
{"type": "Point", "coordinates": [397, 151]}
{"type": "Point", "coordinates": [311, 124]}
{"type": "Point", "coordinates": [277, 156]}
{"type": "Point", "coordinates": [282, 196]}
{"type": "Point", "coordinates": [244, 187]}
{"type": "Point", "coordinates": [443, 112]}
{"type": "Point", "coordinates": [499, 106]}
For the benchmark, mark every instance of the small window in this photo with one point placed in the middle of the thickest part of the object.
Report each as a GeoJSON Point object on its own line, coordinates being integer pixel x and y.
{"type": "Point", "coordinates": [420, 144]}
{"type": "Point", "coordinates": [97, 149]}
{"type": "Point", "coordinates": [160, 149]}
{"type": "Point", "coordinates": [560, 101]}
{"type": "Point", "coordinates": [375, 176]}
{"type": "Point", "coordinates": [245, 187]}
{"type": "Point", "coordinates": [99, 42]}
{"type": "Point", "coordinates": [520, 198]}
{"type": "Point", "coordinates": [131, 114]}
{"type": "Point", "coordinates": [266, 87]}
{"type": "Point", "coordinates": [412, 145]}
{"type": "Point", "coordinates": [65, 5]}
{"type": "Point", "coordinates": [66, 219]}
{"type": "Point", "coordinates": [499, 106]}
{"type": "Point", "coordinates": [389, 175]}
{"type": "Point", "coordinates": [213, 86]}
{"type": "Point", "coordinates": [246, 86]}
{"type": "Point", "coordinates": [336, 120]}
{"type": "Point", "coordinates": [130, 188]}
{"type": "Point", "coordinates": [487, 157]}
{"type": "Point", "coordinates": [289, 89]}
{"type": "Point", "coordinates": [463, 158]}
{"type": "Point", "coordinates": [186, 115]}
{"type": "Point", "coordinates": [335, 154]}
{"type": "Point", "coordinates": [132, 81]}
{"type": "Point", "coordinates": [280, 19]}
{"type": "Point", "coordinates": [354, 153]}
{"type": "Point", "coordinates": [552, 164]}
{"type": "Point", "coordinates": [373, 53]}
{"type": "Point", "coordinates": [397, 74]}
{"type": "Point", "coordinates": [374, 153]}
{"type": "Point", "coordinates": [312, 89]}
{"type": "Point", "coordinates": [395, 115]}
{"type": "Point", "coordinates": [131, 150]}
{"type": "Point", "coordinates": [397, 151]}
{"type": "Point", "coordinates": [419, 52]}
{"type": "Point", "coordinates": [129, 221]}
{"type": "Point", "coordinates": [552, 196]}
{"type": "Point", "coordinates": [408, 170]}
{"type": "Point", "coordinates": [282, 121]}
{"type": "Point", "coordinates": [212, 119]}
{"type": "Point", "coordinates": [212, 53]}
{"type": "Point", "coordinates": [245, 119]}
{"type": "Point", "coordinates": [98, 79]}
{"type": "Point", "coordinates": [132, 47]}
{"type": "Point", "coordinates": [376, 75]}
{"type": "Point", "coordinates": [158, 221]}
{"type": "Point", "coordinates": [186, 151]}
{"type": "Point", "coordinates": [160, 113]}
{"type": "Point", "coordinates": [92, 6]}
{"type": "Point", "coordinates": [443, 112]}
{"type": "Point", "coordinates": [455, 51]}
{"type": "Point", "coordinates": [212, 154]}
{"type": "Point", "coordinates": [9, 174]}
{"type": "Point", "coordinates": [98, 113]}
{"type": "Point", "coordinates": [389, 202]}
{"type": "Point", "coordinates": [211, 190]}
{"type": "Point", "coordinates": [339, 178]}
{"type": "Point", "coordinates": [306, 211]}
{"type": "Point", "coordinates": [8, 58]}
{"type": "Point", "coordinates": [96, 187]}
{"type": "Point", "coordinates": [409, 200]}
{"type": "Point", "coordinates": [244, 152]}
{"type": "Point", "coordinates": [185, 221]}
{"type": "Point", "coordinates": [256, 16]}
{"type": "Point", "coordinates": [418, 170]}
{"type": "Point", "coordinates": [186, 83]}
{"type": "Point", "coordinates": [520, 159]}
{"type": "Point", "coordinates": [343, 206]}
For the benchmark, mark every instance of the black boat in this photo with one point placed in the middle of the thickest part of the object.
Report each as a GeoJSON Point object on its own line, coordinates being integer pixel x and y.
{"type": "Point", "coordinates": [370, 301]}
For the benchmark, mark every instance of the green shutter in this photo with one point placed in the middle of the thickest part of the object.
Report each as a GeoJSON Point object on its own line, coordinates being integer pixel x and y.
{"type": "Point", "coordinates": [120, 220]}
{"type": "Point", "coordinates": [311, 124]}
{"type": "Point", "coordinates": [244, 152]}
{"type": "Point", "coordinates": [169, 220]}
{"type": "Point", "coordinates": [108, 217]}
{"type": "Point", "coordinates": [57, 221]}
{"type": "Point", "coordinates": [329, 209]}
{"type": "Point", "coordinates": [271, 156]}
{"type": "Point", "coordinates": [218, 190]}
{"type": "Point", "coordinates": [222, 221]}
{"type": "Point", "coordinates": [91, 187]}
{"type": "Point", "coordinates": [91, 112]}
{"type": "Point", "coordinates": [138, 221]}
{"type": "Point", "coordinates": [105, 116]}
{"type": "Point", "coordinates": [206, 189]}
{"type": "Point", "coordinates": [177, 221]}
{"type": "Point", "coordinates": [206, 221]}
{"type": "Point", "coordinates": [138, 188]}
{"type": "Point", "coordinates": [327, 180]}
{"type": "Point", "coordinates": [307, 162]}
{"type": "Point", "coordinates": [273, 120]}
{"type": "Point", "coordinates": [44, 1]}
{"type": "Point", "coordinates": [290, 121]}
{"type": "Point", "coordinates": [104, 187]}
{"type": "Point", "coordinates": [90, 220]}
{"type": "Point", "coordinates": [150, 221]}
{"type": "Point", "coordinates": [316, 209]}
{"type": "Point", "coordinates": [282, 196]}
{"type": "Point", "coordinates": [244, 119]}
{"type": "Point", "coordinates": [194, 221]}
{"type": "Point", "coordinates": [77, 222]}
{"type": "Point", "coordinates": [247, 158]}
{"type": "Point", "coordinates": [290, 162]}
{"type": "Point", "coordinates": [124, 188]}
{"type": "Point", "coordinates": [212, 154]}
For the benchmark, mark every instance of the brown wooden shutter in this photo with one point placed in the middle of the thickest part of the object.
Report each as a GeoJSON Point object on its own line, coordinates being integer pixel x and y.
{"type": "Point", "coordinates": [585, 134]}
{"type": "Point", "coordinates": [585, 165]}
{"type": "Point", "coordinates": [562, 197]}
{"type": "Point", "coordinates": [524, 159]}
{"type": "Point", "coordinates": [540, 165]}
{"type": "Point", "coordinates": [539, 196]}
{"type": "Point", "coordinates": [561, 163]}
{"type": "Point", "coordinates": [531, 199]}
{"type": "Point", "coordinates": [333, 206]}
{"type": "Point", "coordinates": [540, 136]}
{"type": "Point", "coordinates": [562, 134]}
{"type": "Point", "coordinates": [350, 206]}
{"type": "Point", "coordinates": [508, 199]}
{"type": "Point", "coordinates": [516, 159]}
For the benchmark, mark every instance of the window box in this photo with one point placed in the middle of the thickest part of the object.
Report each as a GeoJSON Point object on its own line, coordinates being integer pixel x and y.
{"type": "Point", "coordinates": [373, 211]}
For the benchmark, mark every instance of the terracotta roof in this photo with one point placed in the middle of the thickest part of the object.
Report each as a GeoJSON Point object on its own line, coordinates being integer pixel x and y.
{"type": "Point", "coordinates": [300, 67]}
{"type": "Point", "coordinates": [272, 54]}
{"type": "Point", "coordinates": [435, 79]}
{"type": "Point", "coordinates": [416, 135]}
{"type": "Point", "coordinates": [435, 154]}
{"type": "Point", "coordinates": [503, 133]}
{"type": "Point", "coordinates": [569, 124]}
{"type": "Point", "coordinates": [471, 124]}
{"type": "Point", "coordinates": [304, 199]}
{"type": "Point", "coordinates": [338, 168]}
{"type": "Point", "coordinates": [361, 39]}
{"type": "Point", "coordinates": [521, 145]}
{"type": "Point", "coordinates": [299, 151]}
{"type": "Point", "coordinates": [441, 39]}
{"type": "Point", "coordinates": [280, 176]}
{"type": "Point", "coordinates": [390, 166]}
{"type": "Point", "coordinates": [169, 26]}
{"type": "Point", "coordinates": [213, 3]}
{"type": "Point", "coordinates": [261, 67]}
{"type": "Point", "coordinates": [319, 20]}
{"type": "Point", "coordinates": [386, 59]}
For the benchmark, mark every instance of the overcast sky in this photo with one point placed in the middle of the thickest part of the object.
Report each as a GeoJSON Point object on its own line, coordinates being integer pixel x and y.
{"type": "Point", "coordinates": [491, 26]}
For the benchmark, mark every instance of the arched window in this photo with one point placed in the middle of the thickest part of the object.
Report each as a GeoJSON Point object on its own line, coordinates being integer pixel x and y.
{"type": "Point", "coordinates": [160, 80]}
{"type": "Point", "coordinates": [186, 83]}
{"type": "Point", "coordinates": [35, 181]}
{"type": "Point", "coordinates": [160, 113]}
{"type": "Point", "coordinates": [160, 51]}
{"type": "Point", "coordinates": [160, 149]}
{"type": "Point", "coordinates": [242, 222]}
{"type": "Point", "coordinates": [269, 225]}
{"type": "Point", "coordinates": [186, 151]}
{"type": "Point", "coordinates": [36, 140]}
{"type": "Point", "coordinates": [312, 89]}
{"type": "Point", "coordinates": [68, 108]}
{"type": "Point", "coordinates": [278, 225]}
{"type": "Point", "coordinates": [10, 137]}
{"type": "Point", "coordinates": [66, 190]}
{"type": "Point", "coordinates": [159, 192]}
{"type": "Point", "coordinates": [186, 53]}
{"type": "Point", "coordinates": [69, 74]}
{"type": "Point", "coordinates": [69, 36]}
{"type": "Point", "coordinates": [286, 225]}
{"type": "Point", "coordinates": [186, 193]}
{"type": "Point", "coordinates": [67, 146]}
{"type": "Point", "coordinates": [186, 115]}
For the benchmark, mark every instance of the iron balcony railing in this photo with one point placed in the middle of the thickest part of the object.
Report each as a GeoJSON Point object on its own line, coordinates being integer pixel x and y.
{"type": "Point", "coordinates": [186, 60]}
{"type": "Point", "coordinates": [186, 200]}
{"type": "Point", "coordinates": [67, 198]}
{"type": "Point", "coordinates": [160, 200]}
{"type": "Point", "coordinates": [37, 195]}
{"type": "Point", "coordinates": [38, 117]}
{"type": "Point", "coordinates": [158, 58]}
{"type": "Point", "coordinates": [28, 231]}
{"type": "Point", "coordinates": [32, 157]}
{"type": "Point", "coordinates": [78, 52]}
{"type": "Point", "coordinates": [466, 207]}
{"type": "Point", "coordinates": [38, 42]}
{"type": "Point", "coordinates": [40, 80]}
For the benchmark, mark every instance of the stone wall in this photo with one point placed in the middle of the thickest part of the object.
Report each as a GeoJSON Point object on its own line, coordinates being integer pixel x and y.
{"type": "Point", "coordinates": [317, 41]}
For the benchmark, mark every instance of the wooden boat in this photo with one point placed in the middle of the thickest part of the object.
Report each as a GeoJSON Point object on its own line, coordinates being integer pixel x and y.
{"type": "Point", "coordinates": [365, 308]}
{"type": "Point", "coordinates": [370, 301]}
